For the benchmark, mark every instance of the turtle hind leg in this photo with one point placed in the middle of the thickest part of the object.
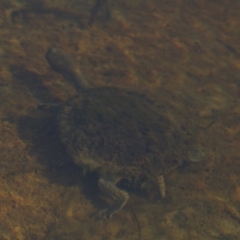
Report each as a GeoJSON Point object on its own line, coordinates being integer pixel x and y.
{"type": "Point", "coordinates": [120, 197]}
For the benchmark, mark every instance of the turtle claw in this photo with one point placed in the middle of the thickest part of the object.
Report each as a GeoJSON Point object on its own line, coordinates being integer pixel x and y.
{"type": "Point", "coordinates": [119, 196]}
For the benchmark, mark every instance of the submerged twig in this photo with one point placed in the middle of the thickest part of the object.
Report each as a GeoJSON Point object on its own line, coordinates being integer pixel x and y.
{"type": "Point", "coordinates": [138, 224]}
{"type": "Point", "coordinates": [96, 8]}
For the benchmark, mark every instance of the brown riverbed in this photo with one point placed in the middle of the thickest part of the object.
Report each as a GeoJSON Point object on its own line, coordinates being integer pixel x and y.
{"type": "Point", "coordinates": [184, 54]}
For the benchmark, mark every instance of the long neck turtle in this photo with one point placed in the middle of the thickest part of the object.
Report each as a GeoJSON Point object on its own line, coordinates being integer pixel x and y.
{"type": "Point", "coordinates": [118, 133]}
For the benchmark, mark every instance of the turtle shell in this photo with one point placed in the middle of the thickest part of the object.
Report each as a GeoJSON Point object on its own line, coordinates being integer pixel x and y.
{"type": "Point", "coordinates": [122, 132]}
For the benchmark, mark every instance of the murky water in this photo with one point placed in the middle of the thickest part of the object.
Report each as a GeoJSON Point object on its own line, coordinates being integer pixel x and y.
{"type": "Point", "coordinates": [183, 54]}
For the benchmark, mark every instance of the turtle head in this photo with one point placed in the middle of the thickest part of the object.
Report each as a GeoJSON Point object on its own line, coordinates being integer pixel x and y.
{"type": "Point", "coordinates": [65, 65]}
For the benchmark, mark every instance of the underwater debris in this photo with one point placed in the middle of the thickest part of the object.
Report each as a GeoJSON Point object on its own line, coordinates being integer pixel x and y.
{"type": "Point", "coordinates": [161, 184]}
{"type": "Point", "coordinates": [196, 155]}
{"type": "Point", "coordinates": [138, 224]}
{"type": "Point", "coordinates": [98, 5]}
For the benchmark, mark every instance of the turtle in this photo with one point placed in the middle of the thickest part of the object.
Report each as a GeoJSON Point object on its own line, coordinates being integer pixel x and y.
{"type": "Point", "coordinates": [118, 133]}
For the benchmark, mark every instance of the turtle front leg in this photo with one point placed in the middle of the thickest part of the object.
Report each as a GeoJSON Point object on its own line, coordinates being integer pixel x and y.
{"type": "Point", "coordinates": [108, 186]}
